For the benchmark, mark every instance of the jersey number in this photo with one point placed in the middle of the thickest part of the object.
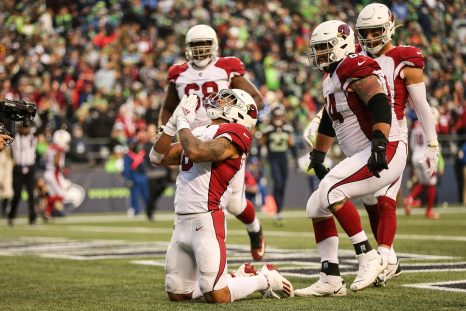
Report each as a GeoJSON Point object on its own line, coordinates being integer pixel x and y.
{"type": "Point", "coordinates": [207, 88]}
{"type": "Point", "coordinates": [186, 163]}
{"type": "Point", "coordinates": [332, 111]}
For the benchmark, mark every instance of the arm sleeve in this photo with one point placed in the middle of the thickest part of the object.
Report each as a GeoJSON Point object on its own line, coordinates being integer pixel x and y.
{"type": "Point", "coordinates": [417, 93]}
{"type": "Point", "coordinates": [325, 126]}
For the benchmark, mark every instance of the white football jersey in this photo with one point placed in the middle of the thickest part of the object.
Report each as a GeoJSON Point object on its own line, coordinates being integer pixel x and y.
{"type": "Point", "coordinates": [206, 186]}
{"type": "Point", "coordinates": [52, 150]}
{"type": "Point", "coordinates": [392, 64]}
{"type": "Point", "coordinates": [351, 118]}
{"type": "Point", "coordinates": [214, 77]}
{"type": "Point", "coordinates": [417, 142]}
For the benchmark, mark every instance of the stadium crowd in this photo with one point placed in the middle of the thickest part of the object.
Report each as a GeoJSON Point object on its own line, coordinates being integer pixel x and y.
{"type": "Point", "coordinates": [99, 68]}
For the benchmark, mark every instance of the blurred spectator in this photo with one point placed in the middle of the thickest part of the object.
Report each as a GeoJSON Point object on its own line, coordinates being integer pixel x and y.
{"type": "Point", "coordinates": [135, 176]}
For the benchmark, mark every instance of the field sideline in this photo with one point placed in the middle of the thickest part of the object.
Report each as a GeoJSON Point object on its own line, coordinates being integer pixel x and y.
{"type": "Point", "coordinates": [112, 262]}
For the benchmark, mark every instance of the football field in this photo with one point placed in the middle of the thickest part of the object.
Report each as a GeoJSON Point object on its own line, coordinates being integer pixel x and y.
{"type": "Point", "coordinates": [112, 262]}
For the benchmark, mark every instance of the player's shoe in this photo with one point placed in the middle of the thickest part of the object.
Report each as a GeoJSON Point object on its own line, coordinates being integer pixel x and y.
{"type": "Point", "coordinates": [327, 285]}
{"type": "Point", "coordinates": [432, 215]}
{"type": "Point", "coordinates": [279, 286]}
{"type": "Point", "coordinates": [392, 271]}
{"type": "Point", "coordinates": [371, 265]}
{"type": "Point", "coordinates": [257, 244]}
{"type": "Point", "coordinates": [245, 270]}
{"type": "Point", "coordinates": [408, 205]}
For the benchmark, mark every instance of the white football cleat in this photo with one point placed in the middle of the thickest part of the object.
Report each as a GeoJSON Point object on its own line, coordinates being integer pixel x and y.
{"type": "Point", "coordinates": [245, 270]}
{"type": "Point", "coordinates": [327, 285]}
{"type": "Point", "coordinates": [371, 265]}
{"type": "Point", "coordinates": [279, 286]}
{"type": "Point", "coordinates": [392, 271]}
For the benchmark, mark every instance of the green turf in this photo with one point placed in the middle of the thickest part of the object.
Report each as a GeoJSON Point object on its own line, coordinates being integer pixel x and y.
{"type": "Point", "coordinates": [30, 282]}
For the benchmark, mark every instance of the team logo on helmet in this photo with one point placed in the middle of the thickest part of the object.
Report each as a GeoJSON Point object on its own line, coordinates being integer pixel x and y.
{"type": "Point", "coordinates": [343, 31]}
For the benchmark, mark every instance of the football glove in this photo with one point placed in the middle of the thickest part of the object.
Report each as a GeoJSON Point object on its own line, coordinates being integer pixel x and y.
{"type": "Point", "coordinates": [187, 112]}
{"type": "Point", "coordinates": [378, 159]}
{"type": "Point", "coordinates": [317, 163]}
{"type": "Point", "coordinates": [431, 157]}
{"type": "Point", "coordinates": [170, 127]}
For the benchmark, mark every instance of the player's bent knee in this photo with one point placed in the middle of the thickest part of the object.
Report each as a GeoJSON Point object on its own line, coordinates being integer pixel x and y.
{"type": "Point", "coordinates": [173, 285]}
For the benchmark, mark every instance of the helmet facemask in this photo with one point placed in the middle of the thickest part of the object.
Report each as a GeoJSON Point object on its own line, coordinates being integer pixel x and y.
{"type": "Point", "coordinates": [321, 54]}
{"type": "Point", "coordinates": [379, 37]}
{"type": "Point", "coordinates": [226, 105]}
{"type": "Point", "coordinates": [201, 52]}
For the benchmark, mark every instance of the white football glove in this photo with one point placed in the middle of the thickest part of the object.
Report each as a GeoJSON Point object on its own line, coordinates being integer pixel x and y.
{"type": "Point", "coordinates": [431, 157]}
{"type": "Point", "coordinates": [187, 112]}
{"type": "Point", "coordinates": [311, 131]}
{"type": "Point", "coordinates": [170, 127]}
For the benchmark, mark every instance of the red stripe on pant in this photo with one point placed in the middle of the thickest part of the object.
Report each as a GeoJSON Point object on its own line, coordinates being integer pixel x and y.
{"type": "Point", "coordinates": [218, 218]}
{"type": "Point", "coordinates": [363, 172]}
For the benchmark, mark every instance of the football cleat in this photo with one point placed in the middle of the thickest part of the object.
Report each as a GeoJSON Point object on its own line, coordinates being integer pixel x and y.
{"type": "Point", "coordinates": [408, 205]}
{"type": "Point", "coordinates": [432, 215]}
{"type": "Point", "coordinates": [257, 244]}
{"type": "Point", "coordinates": [245, 270]}
{"type": "Point", "coordinates": [279, 286]}
{"type": "Point", "coordinates": [327, 285]}
{"type": "Point", "coordinates": [392, 271]}
{"type": "Point", "coordinates": [371, 265]}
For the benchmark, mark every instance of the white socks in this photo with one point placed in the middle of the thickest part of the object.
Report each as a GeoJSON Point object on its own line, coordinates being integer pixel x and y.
{"type": "Point", "coordinates": [254, 226]}
{"type": "Point", "coordinates": [241, 287]}
{"type": "Point", "coordinates": [328, 249]}
{"type": "Point", "coordinates": [358, 237]}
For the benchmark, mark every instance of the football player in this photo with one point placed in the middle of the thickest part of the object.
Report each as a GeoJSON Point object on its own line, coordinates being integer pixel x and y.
{"type": "Point", "coordinates": [205, 73]}
{"type": "Point", "coordinates": [359, 114]}
{"type": "Point", "coordinates": [425, 181]}
{"type": "Point", "coordinates": [211, 158]}
{"type": "Point", "coordinates": [403, 67]}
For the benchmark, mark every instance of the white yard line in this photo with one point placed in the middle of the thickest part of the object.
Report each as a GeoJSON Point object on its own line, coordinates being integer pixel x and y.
{"type": "Point", "coordinates": [286, 234]}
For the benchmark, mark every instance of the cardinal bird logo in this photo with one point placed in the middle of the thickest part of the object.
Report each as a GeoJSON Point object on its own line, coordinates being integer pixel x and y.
{"type": "Point", "coordinates": [343, 31]}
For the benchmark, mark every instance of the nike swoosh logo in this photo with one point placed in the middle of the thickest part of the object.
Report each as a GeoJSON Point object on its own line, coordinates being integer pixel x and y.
{"type": "Point", "coordinates": [336, 291]}
{"type": "Point", "coordinates": [419, 53]}
{"type": "Point", "coordinates": [360, 63]}
{"type": "Point", "coordinates": [199, 228]}
{"type": "Point", "coordinates": [246, 135]}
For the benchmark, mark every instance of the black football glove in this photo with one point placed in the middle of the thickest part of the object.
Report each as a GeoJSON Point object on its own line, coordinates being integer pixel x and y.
{"type": "Point", "coordinates": [317, 159]}
{"type": "Point", "coordinates": [378, 159]}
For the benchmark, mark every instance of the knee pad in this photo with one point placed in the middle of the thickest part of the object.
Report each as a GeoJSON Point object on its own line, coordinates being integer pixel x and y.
{"type": "Point", "coordinates": [237, 203]}
{"type": "Point", "coordinates": [369, 200]}
{"type": "Point", "coordinates": [314, 208]}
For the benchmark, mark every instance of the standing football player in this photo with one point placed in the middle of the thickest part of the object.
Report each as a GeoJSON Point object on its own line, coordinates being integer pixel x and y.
{"type": "Point", "coordinates": [211, 158]}
{"type": "Point", "coordinates": [403, 67]}
{"type": "Point", "coordinates": [425, 182]}
{"type": "Point", "coordinates": [358, 113]}
{"type": "Point", "coordinates": [205, 73]}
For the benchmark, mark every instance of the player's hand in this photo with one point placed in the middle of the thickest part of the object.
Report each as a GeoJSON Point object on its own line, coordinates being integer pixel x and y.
{"type": "Point", "coordinates": [311, 131]}
{"type": "Point", "coordinates": [431, 157]}
{"type": "Point", "coordinates": [187, 112]}
{"type": "Point", "coordinates": [5, 140]}
{"type": "Point", "coordinates": [378, 159]}
{"type": "Point", "coordinates": [170, 127]}
{"type": "Point", "coordinates": [317, 163]}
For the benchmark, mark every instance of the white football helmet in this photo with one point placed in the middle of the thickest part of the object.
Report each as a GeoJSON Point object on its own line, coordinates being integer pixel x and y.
{"type": "Point", "coordinates": [377, 19]}
{"type": "Point", "coordinates": [201, 45]}
{"type": "Point", "coordinates": [62, 139]}
{"type": "Point", "coordinates": [235, 106]}
{"type": "Point", "coordinates": [331, 42]}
